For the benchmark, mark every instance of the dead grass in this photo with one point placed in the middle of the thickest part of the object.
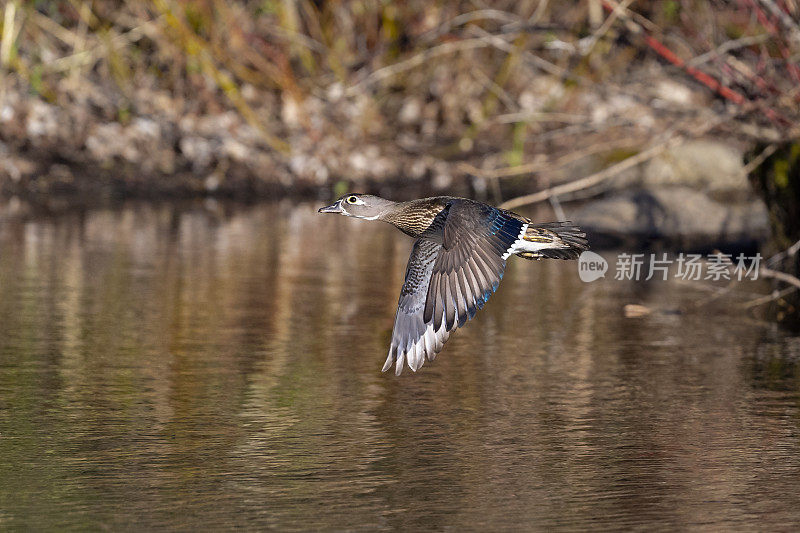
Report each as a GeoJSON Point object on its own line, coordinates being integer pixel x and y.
{"type": "Point", "coordinates": [483, 68]}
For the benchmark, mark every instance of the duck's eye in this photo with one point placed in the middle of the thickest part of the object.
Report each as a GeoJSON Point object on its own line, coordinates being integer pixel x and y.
{"type": "Point", "coordinates": [352, 199]}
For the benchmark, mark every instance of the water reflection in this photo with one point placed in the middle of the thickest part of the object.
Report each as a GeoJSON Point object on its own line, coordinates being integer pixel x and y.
{"type": "Point", "coordinates": [211, 366]}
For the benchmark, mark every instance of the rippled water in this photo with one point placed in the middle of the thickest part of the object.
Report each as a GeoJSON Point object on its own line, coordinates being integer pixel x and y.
{"type": "Point", "coordinates": [213, 367]}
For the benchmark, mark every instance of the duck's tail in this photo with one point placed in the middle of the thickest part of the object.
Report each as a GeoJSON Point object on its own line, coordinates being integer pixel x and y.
{"type": "Point", "coordinates": [552, 240]}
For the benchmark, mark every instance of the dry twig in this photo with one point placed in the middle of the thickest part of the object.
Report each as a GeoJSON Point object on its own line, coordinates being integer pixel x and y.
{"type": "Point", "coordinates": [726, 47]}
{"type": "Point", "coordinates": [789, 252]}
{"type": "Point", "coordinates": [760, 158]}
{"type": "Point", "coordinates": [548, 166]}
{"type": "Point", "coordinates": [777, 274]}
{"type": "Point", "coordinates": [775, 295]}
{"type": "Point", "coordinates": [415, 61]}
{"type": "Point", "coordinates": [594, 179]}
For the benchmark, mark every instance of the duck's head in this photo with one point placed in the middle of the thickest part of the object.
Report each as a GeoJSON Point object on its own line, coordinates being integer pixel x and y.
{"type": "Point", "coordinates": [364, 206]}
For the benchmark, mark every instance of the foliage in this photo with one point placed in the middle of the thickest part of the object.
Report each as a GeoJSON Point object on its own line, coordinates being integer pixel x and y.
{"type": "Point", "coordinates": [206, 51]}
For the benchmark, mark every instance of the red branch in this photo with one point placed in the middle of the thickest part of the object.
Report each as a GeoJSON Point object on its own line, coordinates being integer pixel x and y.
{"type": "Point", "coordinates": [703, 77]}
{"type": "Point", "coordinates": [699, 75]}
{"type": "Point", "coordinates": [770, 25]}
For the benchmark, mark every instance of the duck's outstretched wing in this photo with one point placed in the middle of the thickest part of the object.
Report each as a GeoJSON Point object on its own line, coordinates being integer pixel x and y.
{"type": "Point", "coordinates": [476, 240]}
{"type": "Point", "coordinates": [413, 339]}
{"type": "Point", "coordinates": [447, 283]}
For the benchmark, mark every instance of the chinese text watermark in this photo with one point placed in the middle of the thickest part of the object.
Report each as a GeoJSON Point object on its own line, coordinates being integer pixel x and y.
{"type": "Point", "coordinates": [690, 267]}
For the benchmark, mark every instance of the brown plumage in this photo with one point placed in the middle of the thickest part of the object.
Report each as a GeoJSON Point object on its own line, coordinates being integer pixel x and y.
{"type": "Point", "coordinates": [416, 217]}
{"type": "Point", "coordinates": [456, 264]}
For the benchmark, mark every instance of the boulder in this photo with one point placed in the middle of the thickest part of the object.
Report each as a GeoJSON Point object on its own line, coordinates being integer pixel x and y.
{"type": "Point", "coordinates": [678, 216]}
{"type": "Point", "coordinates": [705, 165]}
{"type": "Point", "coordinates": [696, 195]}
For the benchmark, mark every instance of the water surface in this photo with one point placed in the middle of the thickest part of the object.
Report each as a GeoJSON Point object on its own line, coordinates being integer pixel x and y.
{"type": "Point", "coordinates": [212, 367]}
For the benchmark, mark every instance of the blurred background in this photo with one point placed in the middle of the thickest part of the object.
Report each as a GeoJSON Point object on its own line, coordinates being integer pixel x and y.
{"type": "Point", "coordinates": [185, 342]}
{"type": "Point", "coordinates": [670, 121]}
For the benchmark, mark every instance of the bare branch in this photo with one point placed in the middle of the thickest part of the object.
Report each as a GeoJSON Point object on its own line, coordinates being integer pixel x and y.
{"type": "Point", "coordinates": [465, 18]}
{"type": "Point", "coordinates": [776, 295]}
{"type": "Point", "coordinates": [415, 61]}
{"type": "Point", "coordinates": [595, 178]}
{"type": "Point", "coordinates": [777, 274]}
{"type": "Point", "coordinates": [726, 47]}
{"type": "Point", "coordinates": [502, 44]}
{"type": "Point", "coordinates": [760, 158]}
{"type": "Point", "coordinates": [591, 41]}
{"type": "Point", "coordinates": [549, 166]}
{"type": "Point", "coordinates": [789, 252]}
{"type": "Point", "coordinates": [786, 21]}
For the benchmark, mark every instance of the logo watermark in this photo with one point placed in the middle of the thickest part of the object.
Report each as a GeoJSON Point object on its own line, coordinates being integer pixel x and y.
{"type": "Point", "coordinates": [689, 267]}
{"type": "Point", "coordinates": [592, 266]}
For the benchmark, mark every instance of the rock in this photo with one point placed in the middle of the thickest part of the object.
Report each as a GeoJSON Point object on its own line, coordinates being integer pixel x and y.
{"type": "Point", "coordinates": [217, 124]}
{"type": "Point", "coordinates": [42, 121]}
{"type": "Point", "coordinates": [146, 129]}
{"type": "Point", "coordinates": [9, 168]}
{"type": "Point", "coordinates": [249, 92]}
{"type": "Point", "coordinates": [705, 165]}
{"type": "Point", "coordinates": [442, 178]}
{"type": "Point", "coordinates": [60, 178]}
{"type": "Point", "coordinates": [335, 91]}
{"type": "Point", "coordinates": [198, 150]}
{"type": "Point", "coordinates": [211, 183]}
{"type": "Point", "coordinates": [680, 216]}
{"type": "Point", "coordinates": [309, 167]}
{"type": "Point", "coordinates": [358, 162]}
{"type": "Point", "coordinates": [694, 195]}
{"type": "Point", "coordinates": [411, 112]}
{"type": "Point", "coordinates": [164, 162]}
{"type": "Point", "coordinates": [7, 113]}
{"type": "Point", "coordinates": [541, 92]}
{"type": "Point", "coordinates": [673, 92]}
{"type": "Point", "coordinates": [291, 111]}
{"type": "Point", "coordinates": [234, 149]}
{"type": "Point", "coordinates": [418, 169]}
{"type": "Point", "coordinates": [106, 142]}
{"type": "Point", "coordinates": [616, 105]}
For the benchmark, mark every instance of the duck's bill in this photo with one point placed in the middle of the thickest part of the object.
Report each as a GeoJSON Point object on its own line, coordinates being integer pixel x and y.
{"type": "Point", "coordinates": [333, 208]}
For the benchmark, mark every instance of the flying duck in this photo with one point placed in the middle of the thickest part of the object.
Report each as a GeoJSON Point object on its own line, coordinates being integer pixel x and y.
{"type": "Point", "coordinates": [456, 264]}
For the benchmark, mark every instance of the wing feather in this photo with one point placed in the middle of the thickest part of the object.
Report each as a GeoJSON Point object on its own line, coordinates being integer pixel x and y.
{"type": "Point", "coordinates": [448, 279]}
{"type": "Point", "coordinates": [449, 301]}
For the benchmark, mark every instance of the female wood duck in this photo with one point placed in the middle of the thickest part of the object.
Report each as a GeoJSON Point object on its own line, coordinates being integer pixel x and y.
{"type": "Point", "coordinates": [456, 264]}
